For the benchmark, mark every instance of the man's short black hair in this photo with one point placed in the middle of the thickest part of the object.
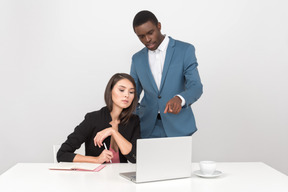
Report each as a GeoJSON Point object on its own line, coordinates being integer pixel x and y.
{"type": "Point", "coordinates": [144, 16]}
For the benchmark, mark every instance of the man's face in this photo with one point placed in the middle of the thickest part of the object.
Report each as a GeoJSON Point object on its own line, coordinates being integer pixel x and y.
{"type": "Point", "coordinates": [150, 34]}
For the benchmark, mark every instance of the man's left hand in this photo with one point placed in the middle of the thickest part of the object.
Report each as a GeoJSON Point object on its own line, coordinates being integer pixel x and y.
{"type": "Point", "coordinates": [173, 105]}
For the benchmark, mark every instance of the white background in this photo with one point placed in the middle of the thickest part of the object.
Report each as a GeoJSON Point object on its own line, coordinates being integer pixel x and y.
{"type": "Point", "coordinates": [56, 57]}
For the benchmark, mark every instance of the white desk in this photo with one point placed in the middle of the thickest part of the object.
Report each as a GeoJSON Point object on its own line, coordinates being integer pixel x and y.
{"type": "Point", "coordinates": [242, 177]}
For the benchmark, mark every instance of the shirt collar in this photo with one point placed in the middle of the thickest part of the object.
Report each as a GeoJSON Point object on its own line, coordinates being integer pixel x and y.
{"type": "Point", "coordinates": [164, 44]}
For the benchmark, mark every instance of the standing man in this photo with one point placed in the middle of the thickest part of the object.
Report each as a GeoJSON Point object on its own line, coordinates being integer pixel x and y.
{"type": "Point", "coordinates": [166, 69]}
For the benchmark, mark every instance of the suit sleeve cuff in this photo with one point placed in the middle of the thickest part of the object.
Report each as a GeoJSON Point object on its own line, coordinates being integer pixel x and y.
{"type": "Point", "coordinates": [182, 99]}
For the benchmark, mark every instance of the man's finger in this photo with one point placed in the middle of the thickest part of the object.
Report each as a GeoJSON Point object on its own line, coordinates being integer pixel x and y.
{"type": "Point", "coordinates": [166, 108]}
{"type": "Point", "coordinates": [177, 110]}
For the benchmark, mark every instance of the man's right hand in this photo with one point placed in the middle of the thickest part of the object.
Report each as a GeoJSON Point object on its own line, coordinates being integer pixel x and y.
{"type": "Point", "coordinates": [173, 105]}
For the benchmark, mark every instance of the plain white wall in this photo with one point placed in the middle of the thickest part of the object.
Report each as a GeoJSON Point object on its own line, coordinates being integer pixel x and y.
{"type": "Point", "coordinates": [56, 57]}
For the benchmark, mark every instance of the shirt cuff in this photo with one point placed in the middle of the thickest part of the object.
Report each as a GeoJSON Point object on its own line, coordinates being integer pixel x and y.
{"type": "Point", "coordinates": [183, 100]}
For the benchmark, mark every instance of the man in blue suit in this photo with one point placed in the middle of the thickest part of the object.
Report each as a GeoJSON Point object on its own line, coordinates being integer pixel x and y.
{"type": "Point", "coordinates": [166, 69]}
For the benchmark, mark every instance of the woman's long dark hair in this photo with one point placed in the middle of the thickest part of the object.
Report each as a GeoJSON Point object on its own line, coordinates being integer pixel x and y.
{"type": "Point", "coordinates": [127, 112]}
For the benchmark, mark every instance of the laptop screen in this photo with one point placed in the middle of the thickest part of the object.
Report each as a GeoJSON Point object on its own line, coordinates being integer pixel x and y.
{"type": "Point", "coordinates": [163, 158]}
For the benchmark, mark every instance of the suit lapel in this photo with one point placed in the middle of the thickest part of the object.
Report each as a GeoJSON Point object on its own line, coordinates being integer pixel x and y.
{"type": "Point", "coordinates": [169, 54]}
{"type": "Point", "coordinates": [147, 70]}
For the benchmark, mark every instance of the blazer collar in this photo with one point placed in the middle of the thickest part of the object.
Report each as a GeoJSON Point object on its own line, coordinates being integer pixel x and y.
{"type": "Point", "coordinates": [169, 54]}
{"type": "Point", "coordinates": [148, 70]}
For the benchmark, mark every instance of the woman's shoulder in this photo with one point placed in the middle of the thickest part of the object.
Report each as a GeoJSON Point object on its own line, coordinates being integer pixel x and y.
{"type": "Point", "coordinates": [134, 118]}
{"type": "Point", "coordinates": [99, 113]}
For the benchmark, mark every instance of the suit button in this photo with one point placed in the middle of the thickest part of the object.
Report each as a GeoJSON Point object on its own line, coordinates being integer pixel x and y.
{"type": "Point", "coordinates": [159, 97]}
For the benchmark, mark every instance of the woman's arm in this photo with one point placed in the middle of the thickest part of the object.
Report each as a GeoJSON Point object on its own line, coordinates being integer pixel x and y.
{"type": "Point", "coordinates": [75, 139]}
{"type": "Point", "coordinates": [105, 156]}
{"type": "Point", "coordinates": [136, 134]}
{"type": "Point", "coordinates": [124, 145]}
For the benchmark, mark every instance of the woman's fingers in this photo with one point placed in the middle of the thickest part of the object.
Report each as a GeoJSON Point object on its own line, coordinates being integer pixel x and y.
{"type": "Point", "coordinates": [100, 136]}
{"type": "Point", "coordinates": [98, 140]}
{"type": "Point", "coordinates": [106, 155]}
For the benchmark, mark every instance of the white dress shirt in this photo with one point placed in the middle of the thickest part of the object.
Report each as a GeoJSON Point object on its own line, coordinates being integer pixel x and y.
{"type": "Point", "coordinates": [156, 63]}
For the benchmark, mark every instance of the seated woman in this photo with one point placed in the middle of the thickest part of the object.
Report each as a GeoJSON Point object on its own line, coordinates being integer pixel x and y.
{"type": "Point", "coordinates": [114, 125]}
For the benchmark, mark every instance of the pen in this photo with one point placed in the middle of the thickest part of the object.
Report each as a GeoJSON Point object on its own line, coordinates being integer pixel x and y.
{"type": "Point", "coordinates": [106, 149]}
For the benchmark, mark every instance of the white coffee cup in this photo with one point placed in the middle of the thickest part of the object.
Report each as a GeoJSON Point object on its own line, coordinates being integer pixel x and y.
{"type": "Point", "coordinates": [207, 167]}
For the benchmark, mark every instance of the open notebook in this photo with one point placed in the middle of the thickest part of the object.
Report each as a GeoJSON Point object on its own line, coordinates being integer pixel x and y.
{"type": "Point", "coordinates": [77, 166]}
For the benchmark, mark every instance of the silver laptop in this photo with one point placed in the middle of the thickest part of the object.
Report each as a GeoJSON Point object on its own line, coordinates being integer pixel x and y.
{"type": "Point", "coordinates": [162, 159]}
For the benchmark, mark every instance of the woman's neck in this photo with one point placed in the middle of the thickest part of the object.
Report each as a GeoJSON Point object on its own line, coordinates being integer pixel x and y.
{"type": "Point", "coordinates": [115, 113]}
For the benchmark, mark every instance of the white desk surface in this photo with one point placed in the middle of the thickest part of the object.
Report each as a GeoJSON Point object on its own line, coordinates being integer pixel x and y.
{"type": "Point", "coordinates": [237, 177]}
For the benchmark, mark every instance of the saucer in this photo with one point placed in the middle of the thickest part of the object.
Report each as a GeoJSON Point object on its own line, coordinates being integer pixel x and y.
{"type": "Point", "coordinates": [215, 174]}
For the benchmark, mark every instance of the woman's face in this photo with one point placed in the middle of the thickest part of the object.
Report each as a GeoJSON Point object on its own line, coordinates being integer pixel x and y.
{"type": "Point", "coordinates": [123, 94]}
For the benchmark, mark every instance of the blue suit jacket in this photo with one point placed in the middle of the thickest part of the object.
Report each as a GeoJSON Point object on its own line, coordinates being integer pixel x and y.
{"type": "Point", "coordinates": [180, 76]}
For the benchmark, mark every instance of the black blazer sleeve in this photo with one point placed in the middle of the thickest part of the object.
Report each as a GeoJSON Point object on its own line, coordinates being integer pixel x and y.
{"type": "Point", "coordinates": [74, 141]}
{"type": "Point", "coordinates": [134, 128]}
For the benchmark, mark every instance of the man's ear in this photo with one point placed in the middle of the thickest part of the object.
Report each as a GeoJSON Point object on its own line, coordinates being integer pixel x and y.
{"type": "Point", "coordinates": [159, 26]}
